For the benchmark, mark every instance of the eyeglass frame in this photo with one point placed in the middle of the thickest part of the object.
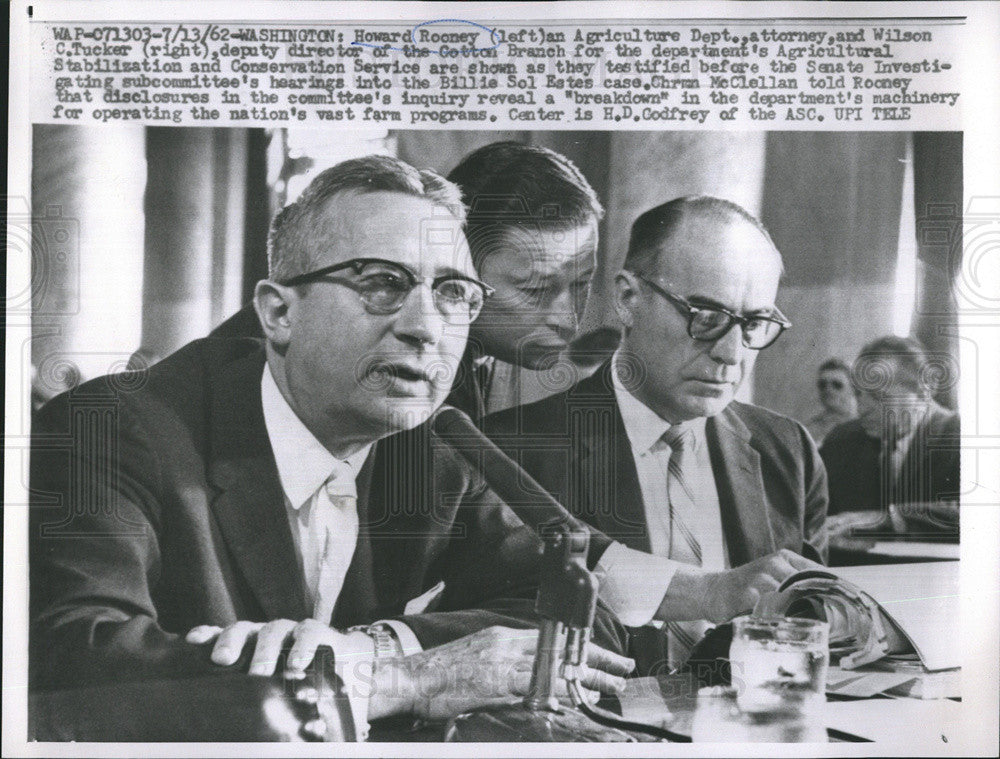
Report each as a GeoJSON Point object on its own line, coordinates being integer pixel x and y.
{"type": "Point", "coordinates": [683, 306]}
{"type": "Point", "coordinates": [358, 264]}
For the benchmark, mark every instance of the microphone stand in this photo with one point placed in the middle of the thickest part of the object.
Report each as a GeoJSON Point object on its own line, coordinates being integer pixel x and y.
{"type": "Point", "coordinates": [566, 602]}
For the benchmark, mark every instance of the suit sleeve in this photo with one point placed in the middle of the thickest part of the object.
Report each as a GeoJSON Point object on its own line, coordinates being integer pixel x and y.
{"type": "Point", "coordinates": [816, 501]}
{"type": "Point", "coordinates": [94, 557]}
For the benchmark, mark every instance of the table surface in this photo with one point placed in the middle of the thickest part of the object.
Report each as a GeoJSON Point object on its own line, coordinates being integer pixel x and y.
{"type": "Point", "coordinates": [228, 708]}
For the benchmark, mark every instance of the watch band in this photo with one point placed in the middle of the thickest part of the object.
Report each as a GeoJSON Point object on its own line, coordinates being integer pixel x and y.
{"type": "Point", "coordinates": [387, 643]}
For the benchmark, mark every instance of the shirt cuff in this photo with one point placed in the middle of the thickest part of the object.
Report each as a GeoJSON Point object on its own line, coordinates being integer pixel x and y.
{"type": "Point", "coordinates": [354, 662]}
{"type": "Point", "coordinates": [407, 638]}
{"type": "Point", "coordinates": [633, 583]}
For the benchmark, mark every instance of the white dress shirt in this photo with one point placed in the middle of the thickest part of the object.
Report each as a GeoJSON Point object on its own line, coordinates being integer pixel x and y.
{"type": "Point", "coordinates": [633, 583]}
{"type": "Point", "coordinates": [304, 468]}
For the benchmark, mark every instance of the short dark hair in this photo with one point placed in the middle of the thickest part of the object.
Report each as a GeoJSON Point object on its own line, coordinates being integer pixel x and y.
{"type": "Point", "coordinates": [655, 226]}
{"type": "Point", "coordinates": [292, 244]}
{"type": "Point", "coordinates": [915, 371]}
{"type": "Point", "coordinates": [507, 183]}
{"type": "Point", "coordinates": [835, 364]}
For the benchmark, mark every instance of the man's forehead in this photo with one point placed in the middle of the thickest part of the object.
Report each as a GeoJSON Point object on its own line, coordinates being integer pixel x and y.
{"type": "Point", "coordinates": [712, 248]}
{"type": "Point", "coordinates": [550, 246]}
{"type": "Point", "coordinates": [395, 226]}
{"type": "Point", "coordinates": [888, 366]}
{"type": "Point", "coordinates": [355, 211]}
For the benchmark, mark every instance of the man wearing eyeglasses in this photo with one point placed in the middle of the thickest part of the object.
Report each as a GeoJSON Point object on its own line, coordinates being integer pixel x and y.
{"type": "Point", "coordinates": [699, 503]}
{"type": "Point", "coordinates": [254, 495]}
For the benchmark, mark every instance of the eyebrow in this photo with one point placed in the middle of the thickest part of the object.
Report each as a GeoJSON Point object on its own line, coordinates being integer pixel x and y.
{"type": "Point", "coordinates": [704, 300]}
{"type": "Point", "coordinates": [450, 271]}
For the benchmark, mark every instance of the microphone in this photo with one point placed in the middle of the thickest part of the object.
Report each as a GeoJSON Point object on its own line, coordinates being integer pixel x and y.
{"type": "Point", "coordinates": [566, 603]}
{"type": "Point", "coordinates": [526, 498]}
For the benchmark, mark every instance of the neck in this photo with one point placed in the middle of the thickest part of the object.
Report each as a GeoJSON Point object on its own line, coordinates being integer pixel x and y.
{"type": "Point", "coordinates": [342, 442]}
{"type": "Point", "coordinates": [627, 378]}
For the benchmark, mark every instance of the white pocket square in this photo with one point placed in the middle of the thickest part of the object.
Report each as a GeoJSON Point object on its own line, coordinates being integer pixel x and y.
{"type": "Point", "coordinates": [425, 601]}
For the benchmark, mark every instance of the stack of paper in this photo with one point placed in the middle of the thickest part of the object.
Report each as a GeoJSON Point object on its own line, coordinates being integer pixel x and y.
{"type": "Point", "coordinates": [923, 601]}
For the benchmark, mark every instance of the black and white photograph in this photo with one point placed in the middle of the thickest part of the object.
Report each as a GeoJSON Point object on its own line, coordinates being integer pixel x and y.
{"type": "Point", "coordinates": [670, 423]}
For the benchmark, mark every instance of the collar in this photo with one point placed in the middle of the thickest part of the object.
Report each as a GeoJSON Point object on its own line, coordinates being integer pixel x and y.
{"type": "Point", "coordinates": [483, 361]}
{"type": "Point", "coordinates": [302, 461]}
{"type": "Point", "coordinates": [644, 426]}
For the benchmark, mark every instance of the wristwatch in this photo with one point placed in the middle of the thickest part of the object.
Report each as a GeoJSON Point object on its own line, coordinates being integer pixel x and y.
{"type": "Point", "coordinates": [387, 643]}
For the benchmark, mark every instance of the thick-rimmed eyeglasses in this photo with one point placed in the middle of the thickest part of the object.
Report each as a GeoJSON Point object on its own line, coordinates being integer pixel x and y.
{"type": "Point", "coordinates": [707, 323]}
{"type": "Point", "coordinates": [383, 287]}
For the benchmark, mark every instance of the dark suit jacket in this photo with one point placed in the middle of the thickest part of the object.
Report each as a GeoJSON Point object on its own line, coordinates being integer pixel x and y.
{"type": "Point", "coordinates": [156, 506]}
{"type": "Point", "coordinates": [770, 479]}
{"type": "Point", "coordinates": [929, 470]}
{"type": "Point", "coordinates": [466, 392]}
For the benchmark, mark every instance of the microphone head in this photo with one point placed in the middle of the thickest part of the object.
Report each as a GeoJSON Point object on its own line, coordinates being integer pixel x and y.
{"type": "Point", "coordinates": [448, 421]}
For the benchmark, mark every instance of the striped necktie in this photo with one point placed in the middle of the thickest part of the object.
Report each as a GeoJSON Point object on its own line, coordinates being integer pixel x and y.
{"type": "Point", "coordinates": [684, 544]}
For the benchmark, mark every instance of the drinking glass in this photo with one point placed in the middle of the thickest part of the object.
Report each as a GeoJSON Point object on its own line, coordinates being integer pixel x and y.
{"type": "Point", "coordinates": [779, 665]}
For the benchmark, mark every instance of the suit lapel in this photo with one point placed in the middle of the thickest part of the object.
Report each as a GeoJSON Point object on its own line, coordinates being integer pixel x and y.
{"type": "Point", "coordinates": [358, 600]}
{"type": "Point", "coordinates": [608, 488]}
{"type": "Point", "coordinates": [740, 485]}
{"type": "Point", "coordinates": [466, 393]}
{"type": "Point", "coordinates": [397, 525]}
{"type": "Point", "coordinates": [249, 506]}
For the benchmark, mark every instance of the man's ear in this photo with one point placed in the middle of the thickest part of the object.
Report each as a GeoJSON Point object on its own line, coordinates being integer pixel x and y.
{"type": "Point", "coordinates": [273, 303]}
{"type": "Point", "coordinates": [626, 297]}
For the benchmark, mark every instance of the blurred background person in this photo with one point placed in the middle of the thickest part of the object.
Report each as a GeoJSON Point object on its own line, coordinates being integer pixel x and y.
{"type": "Point", "coordinates": [532, 230]}
{"type": "Point", "coordinates": [836, 393]}
{"type": "Point", "coordinates": [894, 469]}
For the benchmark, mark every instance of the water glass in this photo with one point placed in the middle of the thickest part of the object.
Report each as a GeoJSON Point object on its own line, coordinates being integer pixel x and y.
{"type": "Point", "coordinates": [779, 665]}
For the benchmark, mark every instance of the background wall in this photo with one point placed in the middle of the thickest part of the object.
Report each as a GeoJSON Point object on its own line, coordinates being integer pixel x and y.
{"type": "Point", "coordinates": [832, 204]}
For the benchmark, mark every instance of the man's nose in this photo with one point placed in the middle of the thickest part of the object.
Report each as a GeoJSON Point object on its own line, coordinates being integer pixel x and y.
{"type": "Point", "coordinates": [419, 322]}
{"type": "Point", "coordinates": [729, 348]}
{"type": "Point", "coordinates": [561, 316]}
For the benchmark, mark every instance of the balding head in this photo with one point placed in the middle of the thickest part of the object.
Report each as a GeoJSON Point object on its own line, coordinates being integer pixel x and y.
{"type": "Point", "coordinates": [651, 232]}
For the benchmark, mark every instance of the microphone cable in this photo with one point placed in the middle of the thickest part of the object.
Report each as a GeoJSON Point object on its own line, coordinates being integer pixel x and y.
{"type": "Point", "coordinates": [609, 719]}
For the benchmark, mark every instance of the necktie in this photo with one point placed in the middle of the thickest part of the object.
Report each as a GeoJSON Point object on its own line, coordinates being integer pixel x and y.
{"type": "Point", "coordinates": [333, 531]}
{"type": "Point", "coordinates": [684, 544]}
{"type": "Point", "coordinates": [484, 378]}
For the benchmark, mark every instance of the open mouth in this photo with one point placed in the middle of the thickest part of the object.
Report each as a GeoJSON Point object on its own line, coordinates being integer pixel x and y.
{"type": "Point", "coordinates": [404, 372]}
{"type": "Point", "coordinates": [410, 374]}
{"type": "Point", "coordinates": [398, 378]}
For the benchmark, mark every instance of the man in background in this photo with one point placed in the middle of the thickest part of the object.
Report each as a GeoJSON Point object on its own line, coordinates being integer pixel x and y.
{"type": "Point", "coordinates": [896, 467]}
{"type": "Point", "coordinates": [836, 394]}
{"type": "Point", "coordinates": [699, 504]}
{"type": "Point", "coordinates": [532, 231]}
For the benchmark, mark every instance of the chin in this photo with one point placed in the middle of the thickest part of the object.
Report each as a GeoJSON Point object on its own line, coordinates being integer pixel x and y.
{"type": "Point", "coordinates": [543, 361]}
{"type": "Point", "coordinates": [401, 414]}
{"type": "Point", "coordinates": [540, 357]}
{"type": "Point", "coordinates": [701, 406]}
